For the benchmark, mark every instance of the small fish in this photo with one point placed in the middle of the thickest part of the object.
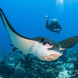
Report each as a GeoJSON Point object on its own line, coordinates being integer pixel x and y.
{"type": "Point", "coordinates": [13, 48]}
{"type": "Point", "coordinates": [43, 48]}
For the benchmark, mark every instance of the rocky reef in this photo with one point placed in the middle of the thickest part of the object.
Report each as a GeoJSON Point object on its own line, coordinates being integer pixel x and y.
{"type": "Point", "coordinates": [16, 65]}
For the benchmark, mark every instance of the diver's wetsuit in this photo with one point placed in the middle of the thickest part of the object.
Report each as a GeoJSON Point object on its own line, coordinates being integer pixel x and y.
{"type": "Point", "coordinates": [53, 26]}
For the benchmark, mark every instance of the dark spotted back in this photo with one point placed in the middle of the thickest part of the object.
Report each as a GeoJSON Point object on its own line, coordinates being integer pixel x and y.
{"type": "Point", "coordinates": [68, 43]}
{"type": "Point", "coordinates": [46, 40]}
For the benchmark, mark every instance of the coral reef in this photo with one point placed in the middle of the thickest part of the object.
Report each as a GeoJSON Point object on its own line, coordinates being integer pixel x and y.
{"type": "Point", "coordinates": [16, 65]}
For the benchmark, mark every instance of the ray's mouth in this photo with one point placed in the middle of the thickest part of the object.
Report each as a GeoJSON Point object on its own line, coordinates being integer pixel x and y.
{"type": "Point", "coordinates": [52, 57]}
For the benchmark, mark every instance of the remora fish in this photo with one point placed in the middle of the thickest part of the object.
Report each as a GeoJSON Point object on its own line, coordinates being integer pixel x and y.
{"type": "Point", "coordinates": [35, 46]}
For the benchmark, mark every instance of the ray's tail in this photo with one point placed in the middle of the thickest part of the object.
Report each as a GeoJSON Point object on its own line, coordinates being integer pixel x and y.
{"type": "Point", "coordinates": [5, 21]}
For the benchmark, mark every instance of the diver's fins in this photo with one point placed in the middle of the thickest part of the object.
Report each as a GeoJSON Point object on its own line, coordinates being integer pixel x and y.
{"type": "Point", "coordinates": [20, 42]}
{"type": "Point", "coordinates": [68, 43]}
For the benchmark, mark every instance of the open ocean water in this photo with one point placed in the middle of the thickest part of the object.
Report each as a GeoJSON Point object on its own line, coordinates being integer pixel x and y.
{"type": "Point", "coordinates": [27, 17]}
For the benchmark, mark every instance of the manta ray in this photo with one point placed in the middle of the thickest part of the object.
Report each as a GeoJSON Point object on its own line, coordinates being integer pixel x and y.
{"type": "Point", "coordinates": [43, 48]}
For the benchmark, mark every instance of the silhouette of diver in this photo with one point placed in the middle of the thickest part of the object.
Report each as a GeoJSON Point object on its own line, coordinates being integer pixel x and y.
{"type": "Point", "coordinates": [53, 25]}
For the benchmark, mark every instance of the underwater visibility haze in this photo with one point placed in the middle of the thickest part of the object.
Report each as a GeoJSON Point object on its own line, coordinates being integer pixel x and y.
{"type": "Point", "coordinates": [41, 53]}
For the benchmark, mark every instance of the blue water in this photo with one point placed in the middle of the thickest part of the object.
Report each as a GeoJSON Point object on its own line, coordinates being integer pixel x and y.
{"type": "Point", "coordinates": [27, 17]}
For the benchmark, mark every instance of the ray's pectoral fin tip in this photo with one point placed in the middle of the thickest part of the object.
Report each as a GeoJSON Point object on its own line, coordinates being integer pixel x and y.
{"type": "Point", "coordinates": [68, 43]}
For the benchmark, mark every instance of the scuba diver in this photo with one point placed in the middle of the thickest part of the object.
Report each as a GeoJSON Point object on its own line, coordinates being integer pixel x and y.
{"type": "Point", "coordinates": [53, 25]}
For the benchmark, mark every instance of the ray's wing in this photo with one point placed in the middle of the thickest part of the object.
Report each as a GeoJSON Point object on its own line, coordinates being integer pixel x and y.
{"type": "Point", "coordinates": [68, 43]}
{"type": "Point", "coordinates": [20, 42]}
